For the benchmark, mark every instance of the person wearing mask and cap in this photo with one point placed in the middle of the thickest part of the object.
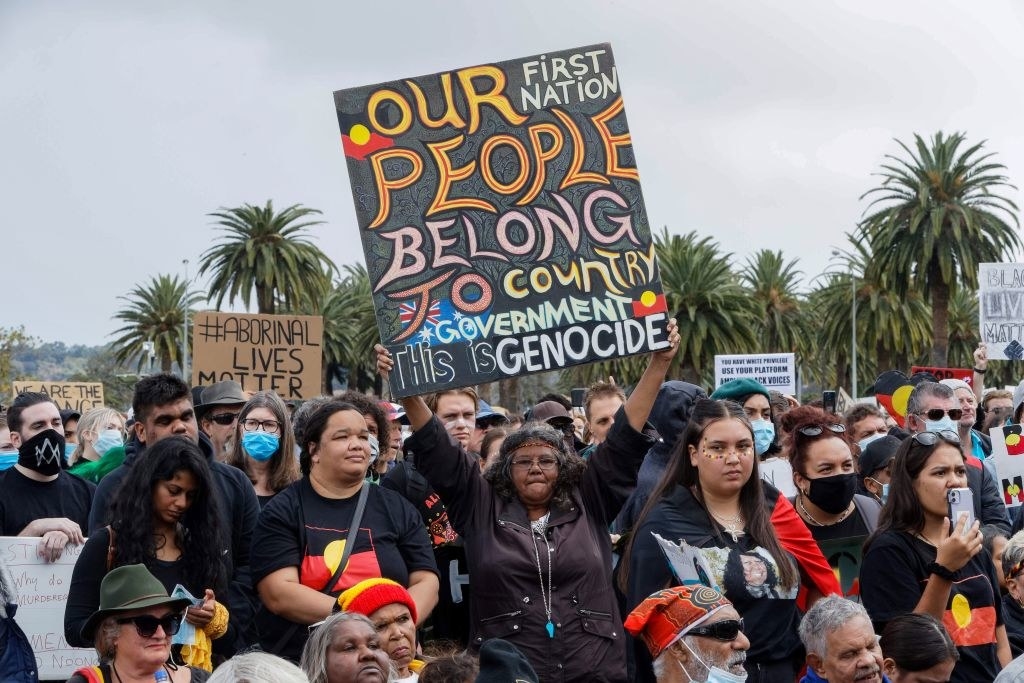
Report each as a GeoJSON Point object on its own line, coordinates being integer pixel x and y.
{"type": "Point", "coordinates": [693, 633]}
{"type": "Point", "coordinates": [217, 413]}
{"type": "Point", "coordinates": [873, 466]}
{"type": "Point", "coordinates": [756, 402]}
{"type": "Point", "coordinates": [70, 419]}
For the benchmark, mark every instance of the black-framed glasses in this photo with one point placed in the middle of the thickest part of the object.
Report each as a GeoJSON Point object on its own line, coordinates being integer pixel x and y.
{"type": "Point", "coordinates": [815, 430]}
{"type": "Point", "coordinates": [269, 426]}
{"type": "Point", "coordinates": [726, 630]}
{"type": "Point", "coordinates": [932, 438]}
{"type": "Point", "coordinates": [224, 419]}
{"type": "Point", "coordinates": [146, 624]}
{"type": "Point", "coordinates": [938, 413]}
{"type": "Point", "coordinates": [547, 463]}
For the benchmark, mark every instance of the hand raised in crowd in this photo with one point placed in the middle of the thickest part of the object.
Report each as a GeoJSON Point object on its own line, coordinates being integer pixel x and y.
{"type": "Point", "coordinates": [51, 545]}
{"type": "Point", "coordinates": [957, 548]}
{"type": "Point", "coordinates": [44, 525]}
{"type": "Point", "coordinates": [385, 364]}
{"type": "Point", "coordinates": [200, 615]}
{"type": "Point", "coordinates": [668, 353]}
{"type": "Point", "coordinates": [981, 356]}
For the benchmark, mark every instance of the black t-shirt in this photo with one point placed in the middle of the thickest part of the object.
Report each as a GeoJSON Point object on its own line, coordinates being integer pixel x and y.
{"type": "Point", "coordinates": [300, 528]}
{"type": "Point", "coordinates": [893, 577]}
{"type": "Point", "coordinates": [24, 500]}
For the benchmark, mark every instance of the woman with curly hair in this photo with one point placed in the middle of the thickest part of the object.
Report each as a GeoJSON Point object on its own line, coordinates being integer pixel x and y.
{"type": "Point", "coordinates": [164, 517]}
{"type": "Point", "coordinates": [264, 447]}
{"type": "Point", "coordinates": [535, 527]}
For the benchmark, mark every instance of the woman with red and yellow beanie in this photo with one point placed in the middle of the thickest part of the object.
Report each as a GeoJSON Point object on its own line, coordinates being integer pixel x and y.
{"type": "Point", "coordinates": [393, 613]}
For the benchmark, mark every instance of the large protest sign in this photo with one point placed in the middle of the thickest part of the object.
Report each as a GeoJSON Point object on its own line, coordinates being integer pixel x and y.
{"type": "Point", "coordinates": [42, 594]}
{"type": "Point", "coordinates": [963, 374]}
{"type": "Point", "coordinates": [1008, 458]}
{"type": "Point", "coordinates": [502, 219]}
{"type": "Point", "coordinates": [77, 396]}
{"type": "Point", "coordinates": [1001, 309]}
{"type": "Point", "coordinates": [776, 371]}
{"type": "Point", "coordinates": [280, 353]}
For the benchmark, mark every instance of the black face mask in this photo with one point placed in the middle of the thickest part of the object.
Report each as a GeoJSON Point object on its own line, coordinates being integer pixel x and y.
{"type": "Point", "coordinates": [43, 453]}
{"type": "Point", "coordinates": [833, 494]}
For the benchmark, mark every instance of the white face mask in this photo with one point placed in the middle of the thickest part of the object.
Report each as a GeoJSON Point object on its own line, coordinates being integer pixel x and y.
{"type": "Point", "coordinates": [715, 674]}
{"type": "Point", "coordinates": [863, 443]}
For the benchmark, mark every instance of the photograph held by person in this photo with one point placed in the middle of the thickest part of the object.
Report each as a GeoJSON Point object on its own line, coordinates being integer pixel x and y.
{"type": "Point", "coordinates": [132, 631]}
{"type": "Point", "coordinates": [164, 519]}
{"type": "Point", "coordinates": [100, 444]}
{"type": "Point", "coordinates": [841, 645]}
{"type": "Point", "coordinates": [535, 527]}
{"type": "Point", "coordinates": [393, 613]}
{"type": "Point", "coordinates": [915, 563]}
{"type": "Point", "coordinates": [264, 446]}
{"type": "Point", "coordinates": [756, 546]}
{"type": "Point", "coordinates": [346, 648]}
{"type": "Point", "coordinates": [298, 558]}
{"type": "Point", "coordinates": [917, 649]}
{"type": "Point", "coordinates": [38, 498]}
{"type": "Point", "coordinates": [692, 633]}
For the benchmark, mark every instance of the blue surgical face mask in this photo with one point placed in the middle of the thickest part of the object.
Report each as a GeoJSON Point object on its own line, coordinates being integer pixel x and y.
{"type": "Point", "coordinates": [260, 445]}
{"type": "Point", "coordinates": [870, 438]}
{"type": "Point", "coordinates": [107, 440]}
{"type": "Point", "coordinates": [946, 423]}
{"type": "Point", "coordinates": [8, 459]}
{"type": "Point", "coordinates": [715, 674]}
{"type": "Point", "coordinates": [69, 450]}
{"type": "Point", "coordinates": [885, 493]}
{"type": "Point", "coordinates": [764, 434]}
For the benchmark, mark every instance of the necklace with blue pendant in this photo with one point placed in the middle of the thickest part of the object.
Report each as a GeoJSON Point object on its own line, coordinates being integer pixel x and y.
{"type": "Point", "coordinates": [540, 529]}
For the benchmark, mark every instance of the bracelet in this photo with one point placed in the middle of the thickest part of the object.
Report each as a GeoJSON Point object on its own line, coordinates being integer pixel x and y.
{"type": "Point", "coordinates": [980, 371]}
{"type": "Point", "coordinates": [941, 572]}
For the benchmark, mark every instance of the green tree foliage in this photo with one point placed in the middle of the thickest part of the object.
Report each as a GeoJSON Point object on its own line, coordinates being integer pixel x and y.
{"type": "Point", "coordinates": [154, 313]}
{"type": "Point", "coordinates": [935, 216]}
{"type": "Point", "coordinates": [267, 252]}
{"type": "Point", "coordinates": [13, 340]}
{"type": "Point", "coordinates": [779, 325]}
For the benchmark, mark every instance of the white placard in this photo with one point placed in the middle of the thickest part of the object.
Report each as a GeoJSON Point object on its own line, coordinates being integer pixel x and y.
{"type": "Point", "coordinates": [776, 371]}
{"type": "Point", "coordinates": [1001, 309]}
{"type": "Point", "coordinates": [42, 595]}
{"type": "Point", "coordinates": [779, 473]}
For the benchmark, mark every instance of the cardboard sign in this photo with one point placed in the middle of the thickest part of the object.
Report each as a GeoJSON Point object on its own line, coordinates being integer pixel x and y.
{"type": "Point", "coordinates": [776, 371]}
{"type": "Point", "coordinates": [1001, 309]}
{"type": "Point", "coordinates": [502, 219]}
{"type": "Point", "coordinates": [965, 374]}
{"type": "Point", "coordinates": [42, 594]}
{"type": "Point", "coordinates": [280, 353]}
{"type": "Point", "coordinates": [779, 473]}
{"type": "Point", "coordinates": [1008, 458]}
{"type": "Point", "coordinates": [77, 396]}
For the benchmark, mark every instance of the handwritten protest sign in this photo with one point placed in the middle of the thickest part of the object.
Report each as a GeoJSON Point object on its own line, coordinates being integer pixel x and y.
{"type": "Point", "coordinates": [1008, 457]}
{"type": "Point", "coordinates": [1001, 309]}
{"type": "Point", "coordinates": [502, 219]}
{"type": "Point", "coordinates": [964, 374]}
{"type": "Point", "coordinates": [42, 594]}
{"type": "Point", "coordinates": [779, 473]}
{"type": "Point", "coordinates": [280, 353]}
{"type": "Point", "coordinates": [77, 396]}
{"type": "Point", "coordinates": [774, 370]}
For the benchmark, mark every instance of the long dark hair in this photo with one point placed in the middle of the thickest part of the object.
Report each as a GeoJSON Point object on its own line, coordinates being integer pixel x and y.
{"type": "Point", "coordinates": [570, 465]}
{"type": "Point", "coordinates": [902, 510]}
{"type": "Point", "coordinates": [283, 470]}
{"type": "Point", "coordinates": [681, 472]}
{"type": "Point", "coordinates": [916, 642]}
{"type": "Point", "coordinates": [202, 542]}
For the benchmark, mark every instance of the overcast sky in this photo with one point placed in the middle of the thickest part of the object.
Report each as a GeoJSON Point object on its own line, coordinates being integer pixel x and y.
{"type": "Point", "coordinates": [758, 123]}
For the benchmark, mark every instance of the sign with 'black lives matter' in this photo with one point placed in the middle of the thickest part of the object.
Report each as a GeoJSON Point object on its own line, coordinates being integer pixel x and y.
{"type": "Point", "coordinates": [502, 219]}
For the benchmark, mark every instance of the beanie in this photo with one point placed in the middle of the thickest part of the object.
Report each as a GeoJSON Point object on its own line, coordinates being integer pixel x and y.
{"type": "Point", "coordinates": [366, 597]}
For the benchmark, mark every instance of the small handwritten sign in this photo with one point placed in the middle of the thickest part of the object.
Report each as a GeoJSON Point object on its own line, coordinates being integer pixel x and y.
{"type": "Point", "coordinates": [42, 595]}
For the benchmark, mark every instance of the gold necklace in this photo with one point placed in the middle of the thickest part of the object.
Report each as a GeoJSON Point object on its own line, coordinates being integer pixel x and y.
{"type": "Point", "coordinates": [812, 520]}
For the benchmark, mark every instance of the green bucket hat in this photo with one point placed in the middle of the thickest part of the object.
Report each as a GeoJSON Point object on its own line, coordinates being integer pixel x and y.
{"type": "Point", "coordinates": [126, 589]}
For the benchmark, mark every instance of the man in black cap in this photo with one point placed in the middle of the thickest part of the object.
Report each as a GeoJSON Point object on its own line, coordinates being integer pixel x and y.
{"type": "Point", "coordinates": [559, 417]}
{"type": "Point", "coordinates": [217, 412]}
{"type": "Point", "coordinates": [874, 467]}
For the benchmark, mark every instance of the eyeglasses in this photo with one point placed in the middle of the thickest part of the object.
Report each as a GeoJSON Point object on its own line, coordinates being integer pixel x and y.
{"type": "Point", "coordinates": [937, 413]}
{"type": "Point", "coordinates": [932, 438]}
{"type": "Point", "coordinates": [223, 418]}
{"type": "Point", "coordinates": [546, 464]}
{"type": "Point", "coordinates": [146, 624]}
{"type": "Point", "coordinates": [269, 426]}
{"type": "Point", "coordinates": [815, 430]}
{"type": "Point", "coordinates": [720, 630]}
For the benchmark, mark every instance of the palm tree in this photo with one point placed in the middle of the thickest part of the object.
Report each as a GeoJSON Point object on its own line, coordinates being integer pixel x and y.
{"type": "Point", "coordinates": [934, 218]}
{"type": "Point", "coordinates": [779, 327]}
{"type": "Point", "coordinates": [963, 330]}
{"type": "Point", "coordinates": [155, 313]}
{"type": "Point", "coordinates": [268, 252]}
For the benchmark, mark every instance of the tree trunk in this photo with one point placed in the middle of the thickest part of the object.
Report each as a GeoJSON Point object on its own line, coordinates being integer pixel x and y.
{"type": "Point", "coordinates": [165, 365]}
{"type": "Point", "coordinates": [508, 394]}
{"type": "Point", "coordinates": [265, 299]}
{"type": "Point", "coordinates": [940, 323]}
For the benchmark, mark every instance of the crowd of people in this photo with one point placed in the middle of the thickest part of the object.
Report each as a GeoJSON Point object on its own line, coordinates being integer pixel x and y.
{"type": "Point", "coordinates": [232, 536]}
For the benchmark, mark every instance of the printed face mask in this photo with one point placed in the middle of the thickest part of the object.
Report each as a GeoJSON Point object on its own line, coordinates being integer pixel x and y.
{"type": "Point", "coordinates": [764, 434]}
{"type": "Point", "coordinates": [260, 445]}
{"type": "Point", "coordinates": [43, 452]}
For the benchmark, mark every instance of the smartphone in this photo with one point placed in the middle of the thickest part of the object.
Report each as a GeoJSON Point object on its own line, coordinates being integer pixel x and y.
{"type": "Point", "coordinates": [828, 401]}
{"type": "Point", "coordinates": [577, 395]}
{"type": "Point", "coordinates": [961, 504]}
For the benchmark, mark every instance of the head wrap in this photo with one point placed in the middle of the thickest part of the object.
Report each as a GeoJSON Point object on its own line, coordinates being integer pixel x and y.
{"type": "Point", "coordinates": [664, 617]}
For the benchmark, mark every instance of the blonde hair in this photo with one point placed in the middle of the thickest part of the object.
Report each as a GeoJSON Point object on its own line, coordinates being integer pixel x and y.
{"type": "Point", "coordinates": [88, 422]}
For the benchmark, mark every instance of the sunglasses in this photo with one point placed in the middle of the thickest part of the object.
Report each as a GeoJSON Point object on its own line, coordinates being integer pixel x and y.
{"type": "Point", "coordinates": [223, 418]}
{"type": "Point", "coordinates": [932, 438]}
{"type": "Point", "coordinates": [815, 430]}
{"type": "Point", "coordinates": [146, 624]}
{"type": "Point", "coordinates": [937, 413]}
{"type": "Point", "coordinates": [720, 630]}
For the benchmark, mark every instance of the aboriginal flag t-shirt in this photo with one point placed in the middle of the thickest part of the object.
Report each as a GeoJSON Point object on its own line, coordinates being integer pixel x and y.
{"type": "Point", "coordinates": [302, 529]}
{"type": "Point", "coordinates": [893, 576]}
